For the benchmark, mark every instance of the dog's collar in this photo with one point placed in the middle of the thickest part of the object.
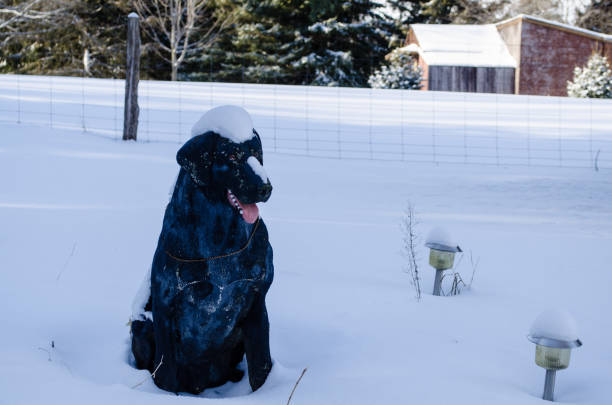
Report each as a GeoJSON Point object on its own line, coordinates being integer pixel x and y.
{"type": "Point", "coordinates": [206, 259]}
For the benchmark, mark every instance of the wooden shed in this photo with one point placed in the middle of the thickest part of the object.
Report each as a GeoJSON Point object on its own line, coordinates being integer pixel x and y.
{"type": "Point", "coordinates": [468, 58]}
{"type": "Point", "coordinates": [547, 52]}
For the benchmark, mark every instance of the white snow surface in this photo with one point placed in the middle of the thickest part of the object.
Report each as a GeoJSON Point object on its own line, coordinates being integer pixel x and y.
{"type": "Point", "coordinates": [141, 298]}
{"type": "Point", "coordinates": [258, 168]}
{"type": "Point", "coordinates": [81, 215]}
{"type": "Point", "coordinates": [230, 121]}
{"type": "Point", "coordinates": [462, 45]}
{"type": "Point", "coordinates": [555, 324]}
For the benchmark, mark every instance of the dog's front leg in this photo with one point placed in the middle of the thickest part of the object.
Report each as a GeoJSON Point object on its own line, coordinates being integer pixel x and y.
{"type": "Point", "coordinates": [257, 343]}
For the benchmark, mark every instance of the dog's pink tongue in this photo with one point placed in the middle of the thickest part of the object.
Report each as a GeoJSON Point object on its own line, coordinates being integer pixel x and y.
{"type": "Point", "coordinates": [250, 212]}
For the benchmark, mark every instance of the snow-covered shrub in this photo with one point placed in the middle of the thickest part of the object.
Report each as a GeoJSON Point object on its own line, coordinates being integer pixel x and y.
{"type": "Point", "coordinates": [400, 73]}
{"type": "Point", "coordinates": [592, 81]}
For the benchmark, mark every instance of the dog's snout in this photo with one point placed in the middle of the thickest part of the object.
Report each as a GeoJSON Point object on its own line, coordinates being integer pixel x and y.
{"type": "Point", "coordinates": [265, 191]}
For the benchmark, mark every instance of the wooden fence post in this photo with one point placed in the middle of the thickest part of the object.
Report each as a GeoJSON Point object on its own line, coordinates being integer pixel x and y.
{"type": "Point", "coordinates": [132, 76]}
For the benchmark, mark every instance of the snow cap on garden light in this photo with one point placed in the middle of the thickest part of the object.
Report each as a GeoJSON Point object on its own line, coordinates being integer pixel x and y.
{"type": "Point", "coordinates": [555, 328]}
{"type": "Point", "coordinates": [440, 239]}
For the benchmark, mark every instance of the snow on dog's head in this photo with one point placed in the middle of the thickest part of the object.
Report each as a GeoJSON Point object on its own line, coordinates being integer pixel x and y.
{"type": "Point", "coordinates": [229, 121]}
{"type": "Point", "coordinates": [225, 154]}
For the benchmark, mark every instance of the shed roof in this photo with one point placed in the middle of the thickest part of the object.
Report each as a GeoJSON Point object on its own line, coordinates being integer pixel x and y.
{"type": "Point", "coordinates": [556, 25]}
{"type": "Point", "coordinates": [462, 45]}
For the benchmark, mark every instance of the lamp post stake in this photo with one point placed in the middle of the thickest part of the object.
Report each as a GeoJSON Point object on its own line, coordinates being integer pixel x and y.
{"type": "Point", "coordinates": [549, 385]}
{"type": "Point", "coordinates": [438, 282]}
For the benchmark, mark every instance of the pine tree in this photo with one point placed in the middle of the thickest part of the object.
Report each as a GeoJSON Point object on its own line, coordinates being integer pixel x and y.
{"type": "Point", "coordinates": [402, 14]}
{"type": "Point", "coordinates": [478, 12]}
{"type": "Point", "coordinates": [597, 16]}
{"type": "Point", "coordinates": [592, 81]}
{"type": "Point", "coordinates": [407, 11]}
{"type": "Point", "coordinates": [462, 11]}
{"type": "Point", "coordinates": [330, 42]}
{"type": "Point", "coordinates": [343, 47]}
{"type": "Point", "coordinates": [441, 11]}
{"type": "Point", "coordinates": [400, 73]}
{"type": "Point", "coordinates": [252, 50]}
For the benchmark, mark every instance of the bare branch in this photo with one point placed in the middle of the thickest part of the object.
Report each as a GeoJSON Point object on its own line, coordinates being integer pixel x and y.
{"type": "Point", "coordinates": [173, 25]}
{"type": "Point", "coordinates": [27, 12]}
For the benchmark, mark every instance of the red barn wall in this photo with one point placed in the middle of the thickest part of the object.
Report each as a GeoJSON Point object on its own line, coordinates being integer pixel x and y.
{"type": "Point", "coordinates": [548, 56]}
{"type": "Point", "coordinates": [608, 52]}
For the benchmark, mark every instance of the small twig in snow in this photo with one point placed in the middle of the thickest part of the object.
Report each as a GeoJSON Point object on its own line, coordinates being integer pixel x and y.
{"type": "Point", "coordinates": [296, 384]}
{"type": "Point", "coordinates": [474, 266]}
{"type": "Point", "coordinates": [47, 351]}
{"type": "Point", "coordinates": [66, 263]}
{"type": "Point", "coordinates": [458, 283]}
{"type": "Point", "coordinates": [161, 361]}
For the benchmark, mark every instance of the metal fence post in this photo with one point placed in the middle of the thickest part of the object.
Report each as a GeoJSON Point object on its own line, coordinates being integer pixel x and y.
{"type": "Point", "coordinates": [180, 112]}
{"type": "Point", "coordinates": [51, 101]}
{"type": "Point", "coordinates": [19, 101]}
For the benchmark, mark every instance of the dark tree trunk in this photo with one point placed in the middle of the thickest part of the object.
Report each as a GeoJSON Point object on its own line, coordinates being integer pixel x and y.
{"type": "Point", "coordinates": [132, 76]}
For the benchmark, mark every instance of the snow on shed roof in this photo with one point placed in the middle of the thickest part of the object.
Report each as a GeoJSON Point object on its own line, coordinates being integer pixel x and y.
{"type": "Point", "coordinates": [558, 25]}
{"type": "Point", "coordinates": [462, 45]}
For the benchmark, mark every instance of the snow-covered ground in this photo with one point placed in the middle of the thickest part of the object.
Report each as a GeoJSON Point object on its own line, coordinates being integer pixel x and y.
{"type": "Point", "coordinates": [80, 218]}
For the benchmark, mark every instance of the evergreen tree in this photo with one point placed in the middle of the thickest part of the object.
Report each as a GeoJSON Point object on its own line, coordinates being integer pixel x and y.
{"type": "Point", "coordinates": [478, 12]}
{"type": "Point", "coordinates": [251, 50]}
{"type": "Point", "coordinates": [597, 16]}
{"type": "Point", "coordinates": [441, 11]}
{"type": "Point", "coordinates": [402, 14]}
{"type": "Point", "coordinates": [400, 73]}
{"type": "Point", "coordinates": [320, 42]}
{"type": "Point", "coordinates": [462, 11]}
{"type": "Point", "coordinates": [407, 12]}
{"type": "Point", "coordinates": [592, 81]}
{"type": "Point", "coordinates": [342, 48]}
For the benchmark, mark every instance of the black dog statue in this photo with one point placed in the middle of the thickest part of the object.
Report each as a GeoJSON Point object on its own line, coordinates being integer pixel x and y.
{"type": "Point", "coordinates": [203, 306]}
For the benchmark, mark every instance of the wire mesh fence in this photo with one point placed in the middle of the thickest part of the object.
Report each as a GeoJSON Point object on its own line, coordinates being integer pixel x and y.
{"type": "Point", "coordinates": [335, 122]}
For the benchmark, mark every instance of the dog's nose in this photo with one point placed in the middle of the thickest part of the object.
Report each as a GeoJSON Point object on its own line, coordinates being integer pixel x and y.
{"type": "Point", "coordinates": [265, 191]}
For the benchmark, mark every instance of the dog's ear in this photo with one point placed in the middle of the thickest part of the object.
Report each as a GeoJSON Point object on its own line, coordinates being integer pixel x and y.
{"type": "Point", "coordinates": [196, 157]}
